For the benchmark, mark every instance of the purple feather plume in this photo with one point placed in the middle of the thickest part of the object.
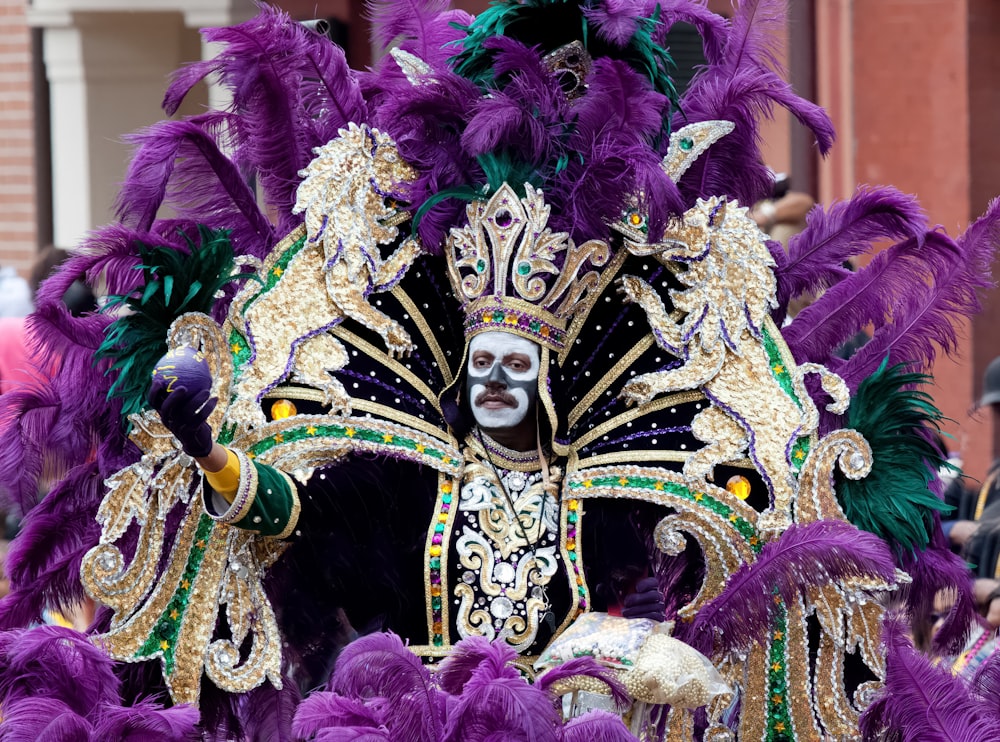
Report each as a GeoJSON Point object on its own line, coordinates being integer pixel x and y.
{"type": "Point", "coordinates": [180, 163]}
{"type": "Point", "coordinates": [324, 711]}
{"type": "Point", "coordinates": [816, 256]}
{"type": "Point", "coordinates": [935, 569]}
{"type": "Point", "coordinates": [712, 27]}
{"type": "Point", "coordinates": [921, 702]}
{"type": "Point", "coordinates": [292, 90]}
{"type": "Point", "coordinates": [44, 720]}
{"type": "Point", "coordinates": [267, 712]}
{"type": "Point", "coordinates": [986, 682]}
{"type": "Point", "coordinates": [146, 721]}
{"type": "Point", "coordinates": [596, 726]}
{"type": "Point", "coordinates": [744, 87]}
{"type": "Point", "coordinates": [415, 24]}
{"type": "Point", "coordinates": [803, 556]}
{"type": "Point", "coordinates": [496, 703]}
{"type": "Point", "coordinates": [380, 666]}
{"type": "Point", "coordinates": [615, 21]}
{"type": "Point", "coordinates": [53, 662]}
{"type": "Point", "coordinates": [921, 288]}
{"type": "Point", "coordinates": [44, 560]}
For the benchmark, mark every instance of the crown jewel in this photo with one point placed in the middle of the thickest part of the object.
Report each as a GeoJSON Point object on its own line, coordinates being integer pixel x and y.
{"type": "Point", "coordinates": [512, 272]}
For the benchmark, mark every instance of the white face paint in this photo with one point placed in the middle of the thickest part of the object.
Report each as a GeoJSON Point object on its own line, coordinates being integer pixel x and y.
{"type": "Point", "coordinates": [502, 378]}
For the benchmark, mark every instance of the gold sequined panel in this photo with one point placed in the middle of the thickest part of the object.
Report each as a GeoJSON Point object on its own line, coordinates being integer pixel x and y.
{"type": "Point", "coordinates": [723, 525]}
{"type": "Point", "coordinates": [720, 325]}
{"type": "Point", "coordinates": [302, 443]}
{"type": "Point", "coordinates": [172, 614]}
{"type": "Point", "coordinates": [324, 273]}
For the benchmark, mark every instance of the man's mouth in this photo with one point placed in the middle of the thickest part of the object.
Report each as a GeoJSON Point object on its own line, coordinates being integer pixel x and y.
{"type": "Point", "coordinates": [495, 400]}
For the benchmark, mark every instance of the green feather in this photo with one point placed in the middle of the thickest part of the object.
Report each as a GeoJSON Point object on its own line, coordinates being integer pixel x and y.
{"type": "Point", "coordinates": [136, 341]}
{"type": "Point", "coordinates": [901, 424]}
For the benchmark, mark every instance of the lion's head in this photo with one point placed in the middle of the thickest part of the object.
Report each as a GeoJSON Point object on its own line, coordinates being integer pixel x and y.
{"type": "Point", "coordinates": [718, 251]}
{"type": "Point", "coordinates": [350, 193]}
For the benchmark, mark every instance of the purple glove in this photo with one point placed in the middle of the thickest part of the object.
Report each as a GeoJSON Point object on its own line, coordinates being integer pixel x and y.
{"type": "Point", "coordinates": [182, 383]}
{"type": "Point", "coordinates": [646, 601]}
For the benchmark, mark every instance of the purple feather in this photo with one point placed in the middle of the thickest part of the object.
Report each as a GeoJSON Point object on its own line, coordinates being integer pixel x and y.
{"type": "Point", "coordinates": [354, 734]}
{"type": "Point", "coordinates": [44, 561]}
{"type": "Point", "coordinates": [180, 163]}
{"type": "Point", "coordinates": [498, 704]}
{"type": "Point", "coordinates": [986, 682]}
{"type": "Point", "coordinates": [615, 21]}
{"type": "Point", "coordinates": [146, 721]}
{"type": "Point", "coordinates": [589, 667]}
{"type": "Point", "coordinates": [407, 21]}
{"type": "Point", "coordinates": [267, 712]}
{"type": "Point", "coordinates": [58, 663]}
{"type": "Point", "coordinates": [935, 569]}
{"type": "Point", "coordinates": [324, 710]}
{"type": "Point", "coordinates": [380, 666]}
{"type": "Point", "coordinates": [712, 27]}
{"type": "Point", "coordinates": [922, 702]}
{"type": "Point", "coordinates": [733, 166]}
{"type": "Point", "coordinates": [292, 90]}
{"type": "Point", "coordinates": [616, 121]}
{"type": "Point", "coordinates": [44, 720]}
{"type": "Point", "coordinates": [455, 671]}
{"type": "Point", "coordinates": [804, 555]}
{"type": "Point", "coordinates": [922, 289]}
{"type": "Point", "coordinates": [816, 256]}
{"type": "Point", "coordinates": [744, 87]}
{"type": "Point", "coordinates": [596, 726]}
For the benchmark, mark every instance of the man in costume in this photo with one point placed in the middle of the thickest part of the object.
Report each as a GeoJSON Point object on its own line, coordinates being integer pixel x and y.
{"type": "Point", "coordinates": [508, 355]}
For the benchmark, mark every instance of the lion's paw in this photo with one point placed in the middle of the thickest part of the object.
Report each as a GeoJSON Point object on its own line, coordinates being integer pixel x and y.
{"type": "Point", "coordinates": [632, 288]}
{"type": "Point", "coordinates": [398, 341]}
{"type": "Point", "coordinates": [637, 391]}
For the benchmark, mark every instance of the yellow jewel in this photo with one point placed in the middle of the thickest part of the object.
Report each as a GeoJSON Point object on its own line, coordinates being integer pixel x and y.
{"type": "Point", "coordinates": [279, 438]}
{"type": "Point", "coordinates": [738, 486]}
{"type": "Point", "coordinates": [311, 430]}
{"type": "Point", "coordinates": [278, 271]}
{"type": "Point", "coordinates": [387, 438]}
{"type": "Point", "coordinates": [622, 481]}
{"type": "Point", "coordinates": [282, 408]}
{"type": "Point", "coordinates": [164, 645]}
{"type": "Point", "coordinates": [658, 486]}
{"type": "Point", "coordinates": [698, 496]}
{"type": "Point", "coordinates": [350, 432]}
{"type": "Point", "coordinates": [235, 348]}
{"type": "Point", "coordinates": [779, 369]}
{"type": "Point", "coordinates": [421, 448]}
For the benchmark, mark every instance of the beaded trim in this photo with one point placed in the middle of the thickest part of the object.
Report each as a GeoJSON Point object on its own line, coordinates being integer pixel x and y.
{"type": "Point", "coordinates": [246, 492]}
{"type": "Point", "coordinates": [518, 317]}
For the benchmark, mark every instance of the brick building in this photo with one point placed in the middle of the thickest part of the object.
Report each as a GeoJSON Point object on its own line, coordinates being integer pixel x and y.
{"type": "Point", "coordinates": [910, 87]}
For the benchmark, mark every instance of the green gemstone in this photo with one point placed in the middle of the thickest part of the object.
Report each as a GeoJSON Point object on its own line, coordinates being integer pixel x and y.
{"type": "Point", "coordinates": [524, 268]}
{"type": "Point", "coordinates": [535, 326]}
{"type": "Point", "coordinates": [572, 556]}
{"type": "Point", "coordinates": [571, 517]}
{"type": "Point", "coordinates": [687, 143]}
{"type": "Point", "coordinates": [435, 602]}
{"type": "Point", "coordinates": [438, 640]}
{"type": "Point", "coordinates": [446, 499]}
{"type": "Point", "coordinates": [435, 562]}
{"type": "Point", "coordinates": [480, 265]}
{"type": "Point", "coordinates": [439, 528]}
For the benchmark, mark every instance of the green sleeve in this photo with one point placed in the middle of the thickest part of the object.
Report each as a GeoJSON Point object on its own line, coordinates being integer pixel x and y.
{"type": "Point", "coordinates": [266, 501]}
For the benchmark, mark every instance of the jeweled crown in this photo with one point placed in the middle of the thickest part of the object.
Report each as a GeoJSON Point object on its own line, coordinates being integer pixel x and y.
{"type": "Point", "coordinates": [512, 273]}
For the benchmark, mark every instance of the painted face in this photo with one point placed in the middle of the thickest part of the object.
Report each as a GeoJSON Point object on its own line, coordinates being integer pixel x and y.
{"type": "Point", "coordinates": [502, 378]}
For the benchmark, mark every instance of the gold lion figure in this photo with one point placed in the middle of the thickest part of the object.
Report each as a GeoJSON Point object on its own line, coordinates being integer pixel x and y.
{"type": "Point", "coordinates": [717, 329]}
{"type": "Point", "coordinates": [348, 195]}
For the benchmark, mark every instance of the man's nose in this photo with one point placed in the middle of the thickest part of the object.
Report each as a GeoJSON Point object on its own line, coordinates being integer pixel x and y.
{"type": "Point", "coordinates": [497, 375]}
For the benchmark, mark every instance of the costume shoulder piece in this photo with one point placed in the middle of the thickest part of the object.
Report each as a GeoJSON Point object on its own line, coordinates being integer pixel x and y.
{"type": "Point", "coordinates": [531, 170]}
